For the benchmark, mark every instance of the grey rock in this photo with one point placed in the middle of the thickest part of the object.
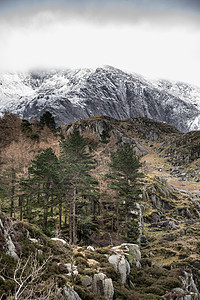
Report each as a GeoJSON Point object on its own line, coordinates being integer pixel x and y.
{"type": "Point", "coordinates": [121, 266]}
{"type": "Point", "coordinates": [182, 232]}
{"type": "Point", "coordinates": [172, 225]}
{"type": "Point", "coordinates": [72, 269]}
{"type": "Point", "coordinates": [86, 281]}
{"type": "Point", "coordinates": [90, 248]}
{"type": "Point", "coordinates": [70, 294]}
{"type": "Point", "coordinates": [197, 193]}
{"type": "Point", "coordinates": [103, 286]}
{"type": "Point", "coordinates": [190, 286]}
{"type": "Point", "coordinates": [6, 230]}
{"type": "Point", "coordinates": [170, 237]}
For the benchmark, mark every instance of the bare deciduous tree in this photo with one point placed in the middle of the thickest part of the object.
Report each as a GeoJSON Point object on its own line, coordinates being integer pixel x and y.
{"type": "Point", "coordinates": [27, 274]}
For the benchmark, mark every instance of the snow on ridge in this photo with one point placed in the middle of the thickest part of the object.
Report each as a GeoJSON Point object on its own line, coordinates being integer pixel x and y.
{"type": "Point", "coordinates": [194, 124]}
{"type": "Point", "coordinates": [21, 92]}
{"type": "Point", "coordinates": [186, 92]}
{"type": "Point", "coordinates": [13, 89]}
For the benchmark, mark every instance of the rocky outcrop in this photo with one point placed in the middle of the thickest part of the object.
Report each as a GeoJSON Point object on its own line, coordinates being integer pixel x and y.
{"type": "Point", "coordinates": [181, 151]}
{"type": "Point", "coordinates": [189, 285]}
{"type": "Point", "coordinates": [100, 285]}
{"type": "Point", "coordinates": [121, 266]}
{"type": "Point", "coordinates": [189, 290]}
{"type": "Point", "coordinates": [125, 255]}
{"type": "Point", "coordinates": [6, 232]}
{"type": "Point", "coordinates": [104, 127]}
{"type": "Point", "coordinates": [70, 294]}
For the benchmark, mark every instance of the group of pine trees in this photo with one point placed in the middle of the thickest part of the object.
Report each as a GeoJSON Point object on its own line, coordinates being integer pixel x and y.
{"type": "Point", "coordinates": [61, 192]}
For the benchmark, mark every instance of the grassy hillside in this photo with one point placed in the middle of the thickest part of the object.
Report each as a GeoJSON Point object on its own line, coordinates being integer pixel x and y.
{"type": "Point", "coordinates": [165, 219]}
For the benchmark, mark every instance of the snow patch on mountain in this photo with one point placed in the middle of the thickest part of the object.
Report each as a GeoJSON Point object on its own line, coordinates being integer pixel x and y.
{"type": "Point", "coordinates": [184, 91]}
{"type": "Point", "coordinates": [13, 89]}
{"type": "Point", "coordinates": [76, 94]}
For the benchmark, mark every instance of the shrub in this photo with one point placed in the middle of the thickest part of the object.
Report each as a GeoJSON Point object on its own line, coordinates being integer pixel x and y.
{"type": "Point", "coordinates": [34, 136]}
{"type": "Point", "coordinates": [172, 282]}
{"type": "Point", "coordinates": [155, 289]}
{"type": "Point", "coordinates": [81, 261]}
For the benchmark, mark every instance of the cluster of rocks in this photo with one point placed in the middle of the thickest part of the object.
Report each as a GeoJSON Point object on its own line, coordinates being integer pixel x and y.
{"type": "Point", "coordinates": [185, 174]}
{"type": "Point", "coordinates": [162, 223]}
{"type": "Point", "coordinates": [122, 258]}
{"type": "Point", "coordinates": [189, 291]}
{"type": "Point", "coordinates": [6, 236]}
{"type": "Point", "coordinates": [103, 128]}
{"type": "Point", "coordinates": [99, 284]}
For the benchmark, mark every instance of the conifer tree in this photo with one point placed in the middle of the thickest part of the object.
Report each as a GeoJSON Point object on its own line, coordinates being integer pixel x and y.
{"type": "Point", "coordinates": [76, 164]}
{"type": "Point", "coordinates": [48, 120]}
{"type": "Point", "coordinates": [124, 174]}
{"type": "Point", "coordinates": [44, 181]}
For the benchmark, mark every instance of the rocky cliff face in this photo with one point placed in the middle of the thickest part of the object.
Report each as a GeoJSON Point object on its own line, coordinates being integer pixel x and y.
{"type": "Point", "coordinates": [74, 95]}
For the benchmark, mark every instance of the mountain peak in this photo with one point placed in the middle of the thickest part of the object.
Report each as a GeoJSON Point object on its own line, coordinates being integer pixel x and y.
{"type": "Point", "coordinates": [81, 93]}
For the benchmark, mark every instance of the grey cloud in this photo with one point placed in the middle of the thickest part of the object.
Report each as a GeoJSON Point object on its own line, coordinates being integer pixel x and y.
{"type": "Point", "coordinates": [155, 12]}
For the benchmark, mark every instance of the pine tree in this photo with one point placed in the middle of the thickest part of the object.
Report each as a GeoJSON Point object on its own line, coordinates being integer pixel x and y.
{"type": "Point", "coordinates": [124, 174]}
{"type": "Point", "coordinates": [48, 120]}
{"type": "Point", "coordinates": [44, 182]}
{"type": "Point", "coordinates": [76, 164]}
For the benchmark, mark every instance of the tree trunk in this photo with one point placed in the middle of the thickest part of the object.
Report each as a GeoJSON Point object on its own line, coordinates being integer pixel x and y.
{"type": "Point", "coordinates": [74, 218]}
{"type": "Point", "coordinates": [52, 204]}
{"type": "Point", "coordinates": [66, 210]}
{"type": "Point", "coordinates": [70, 224]}
{"type": "Point", "coordinates": [117, 212]}
{"type": "Point", "coordinates": [46, 211]}
{"type": "Point", "coordinates": [21, 200]}
{"type": "Point", "coordinates": [12, 194]}
{"type": "Point", "coordinates": [60, 214]}
{"type": "Point", "coordinates": [126, 221]}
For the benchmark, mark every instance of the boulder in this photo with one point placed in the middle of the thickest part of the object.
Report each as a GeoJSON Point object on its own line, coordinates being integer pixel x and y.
{"type": "Point", "coordinates": [86, 281]}
{"type": "Point", "coordinates": [35, 241]}
{"type": "Point", "coordinates": [59, 240]}
{"type": "Point", "coordinates": [72, 269]}
{"type": "Point", "coordinates": [70, 294]}
{"type": "Point", "coordinates": [90, 248]}
{"type": "Point", "coordinates": [143, 240]}
{"type": "Point", "coordinates": [131, 251]}
{"type": "Point", "coordinates": [103, 286]}
{"type": "Point", "coordinates": [5, 229]}
{"type": "Point", "coordinates": [121, 265]}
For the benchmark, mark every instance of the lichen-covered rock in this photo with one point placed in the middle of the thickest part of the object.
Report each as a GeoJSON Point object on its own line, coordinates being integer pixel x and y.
{"type": "Point", "coordinates": [86, 281]}
{"type": "Point", "coordinates": [72, 269]}
{"type": "Point", "coordinates": [59, 240]}
{"type": "Point", "coordinates": [121, 265]}
{"type": "Point", "coordinates": [190, 286]}
{"type": "Point", "coordinates": [5, 230]}
{"type": "Point", "coordinates": [130, 251]}
{"type": "Point", "coordinates": [103, 286]}
{"type": "Point", "coordinates": [70, 294]}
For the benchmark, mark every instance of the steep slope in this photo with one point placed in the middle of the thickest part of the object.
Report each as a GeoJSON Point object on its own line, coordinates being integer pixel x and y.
{"type": "Point", "coordinates": [164, 264]}
{"type": "Point", "coordinates": [77, 94]}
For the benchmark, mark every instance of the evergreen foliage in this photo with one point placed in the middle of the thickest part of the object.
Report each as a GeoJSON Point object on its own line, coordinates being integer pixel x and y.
{"type": "Point", "coordinates": [60, 193]}
{"type": "Point", "coordinates": [77, 162]}
{"type": "Point", "coordinates": [124, 174]}
{"type": "Point", "coordinates": [44, 182]}
{"type": "Point", "coordinates": [48, 120]}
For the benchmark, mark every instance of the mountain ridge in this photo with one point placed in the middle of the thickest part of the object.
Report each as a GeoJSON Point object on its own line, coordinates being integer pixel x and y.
{"type": "Point", "coordinates": [72, 95]}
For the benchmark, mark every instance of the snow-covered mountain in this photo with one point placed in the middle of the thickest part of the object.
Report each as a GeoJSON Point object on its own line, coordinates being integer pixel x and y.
{"type": "Point", "coordinates": [76, 94]}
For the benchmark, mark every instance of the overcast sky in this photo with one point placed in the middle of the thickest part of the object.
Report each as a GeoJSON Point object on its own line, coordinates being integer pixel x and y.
{"type": "Point", "coordinates": [155, 38]}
